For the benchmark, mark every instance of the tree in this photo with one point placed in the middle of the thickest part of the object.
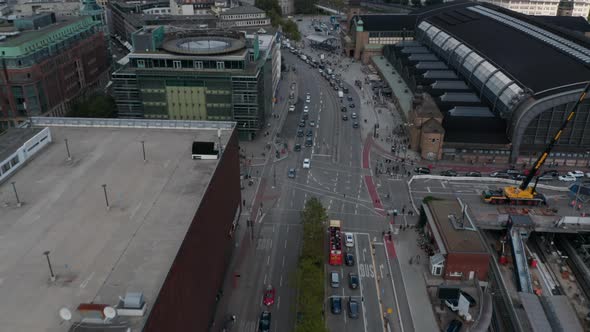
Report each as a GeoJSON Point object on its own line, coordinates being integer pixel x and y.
{"type": "Point", "coordinates": [305, 6]}
{"type": "Point", "coordinates": [290, 28]}
{"type": "Point", "coordinates": [95, 106]}
{"type": "Point", "coordinates": [310, 269]}
{"type": "Point", "coordinates": [416, 3]}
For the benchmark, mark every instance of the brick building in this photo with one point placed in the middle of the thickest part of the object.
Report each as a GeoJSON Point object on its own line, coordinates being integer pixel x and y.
{"type": "Point", "coordinates": [48, 62]}
{"type": "Point", "coordinates": [459, 253]}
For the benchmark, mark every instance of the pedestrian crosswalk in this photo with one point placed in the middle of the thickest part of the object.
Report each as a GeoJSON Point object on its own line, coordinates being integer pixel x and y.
{"type": "Point", "coordinates": [249, 326]}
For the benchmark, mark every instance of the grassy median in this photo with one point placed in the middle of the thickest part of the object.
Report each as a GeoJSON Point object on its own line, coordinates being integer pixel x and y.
{"type": "Point", "coordinates": [310, 269]}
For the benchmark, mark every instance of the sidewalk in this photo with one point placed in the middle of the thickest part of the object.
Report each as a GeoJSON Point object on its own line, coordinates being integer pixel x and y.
{"type": "Point", "coordinates": [256, 158]}
{"type": "Point", "coordinates": [414, 282]}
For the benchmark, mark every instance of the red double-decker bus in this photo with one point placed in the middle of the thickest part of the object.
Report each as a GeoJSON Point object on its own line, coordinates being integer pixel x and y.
{"type": "Point", "coordinates": [335, 242]}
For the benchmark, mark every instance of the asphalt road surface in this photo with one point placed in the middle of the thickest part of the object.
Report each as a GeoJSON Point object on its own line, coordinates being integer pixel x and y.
{"type": "Point", "coordinates": [337, 178]}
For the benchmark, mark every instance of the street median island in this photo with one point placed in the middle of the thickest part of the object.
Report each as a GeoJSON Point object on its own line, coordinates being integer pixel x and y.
{"type": "Point", "coordinates": [310, 270]}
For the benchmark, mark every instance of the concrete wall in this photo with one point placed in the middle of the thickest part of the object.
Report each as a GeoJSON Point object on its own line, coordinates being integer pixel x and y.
{"type": "Point", "coordinates": [187, 300]}
{"type": "Point", "coordinates": [466, 262]}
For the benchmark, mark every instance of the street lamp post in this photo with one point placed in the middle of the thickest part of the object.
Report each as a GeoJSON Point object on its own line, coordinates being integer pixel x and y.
{"type": "Point", "coordinates": [68, 149]}
{"type": "Point", "coordinates": [18, 203]}
{"type": "Point", "coordinates": [46, 253]}
{"type": "Point", "coordinates": [106, 198]}
{"type": "Point", "coordinates": [143, 150]}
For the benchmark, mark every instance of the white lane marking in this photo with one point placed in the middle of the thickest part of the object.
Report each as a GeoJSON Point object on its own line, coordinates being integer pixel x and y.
{"type": "Point", "coordinates": [267, 261]}
{"type": "Point", "coordinates": [281, 281]}
{"type": "Point", "coordinates": [428, 188]}
{"type": "Point", "coordinates": [442, 183]}
{"type": "Point", "coordinates": [356, 248]}
{"type": "Point", "coordinates": [285, 244]}
{"type": "Point", "coordinates": [278, 302]}
{"type": "Point", "coordinates": [283, 262]}
{"type": "Point", "coordinates": [85, 282]}
{"type": "Point", "coordinates": [265, 276]}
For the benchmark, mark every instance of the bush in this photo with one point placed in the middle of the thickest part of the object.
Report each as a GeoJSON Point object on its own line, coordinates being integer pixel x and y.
{"type": "Point", "coordinates": [310, 269]}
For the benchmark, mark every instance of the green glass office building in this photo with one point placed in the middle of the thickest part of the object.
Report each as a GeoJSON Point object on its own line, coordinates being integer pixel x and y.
{"type": "Point", "coordinates": [196, 76]}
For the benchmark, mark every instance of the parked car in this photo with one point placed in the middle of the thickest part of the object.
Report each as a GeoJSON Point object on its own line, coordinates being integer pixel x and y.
{"type": "Point", "coordinates": [297, 147]}
{"type": "Point", "coordinates": [345, 117]}
{"type": "Point", "coordinates": [291, 173]}
{"type": "Point", "coordinates": [351, 106]}
{"type": "Point", "coordinates": [473, 174]}
{"type": "Point", "coordinates": [353, 280]}
{"type": "Point", "coordinates": [546, 177]}
{"type": "Point", "coordinates": [353, 115]}
{"type": "Point", "coordinates": [349, 98]}
{"type": "Point", "coordinates": [336, 305]}
{"type": "Point", "coordinates": [264, 322]}
{"type": "Point", "coordinates": [299, 132]}
{"type": "Point", "coordinates": [306, 163]}
{"type": "Point", "coordinates": [449, 172]}
{"type": "Point", "coordinates": [302, 123]}
{"type": "Point", "coordinates": [349, 239]}
{"type": "Point", "coordinates": [292, 108]}
{"type": "Point", "coordinates": [518, 177]}
{"type": "Point", "coordinates": [567, 178]}
{"type": "Point", "coordinates": [502, 175]}
{"type": "Point", "coordinates": [577, 174]}
{"type": "Point", "coordinates": [343, 109]}
{"type": "Point", "coordinates": [308, 142]}
{"type": "Point", "coordinates": [355, 124]}
{"type": "Point", "coordinates": [353, 308]}
{"type": "Point", "coordinates": [312, 123]}
{"type": "Point", "coordinates": [269, 296]}
{"type": "Point", "coordinates": [349, 259]}
{"type": "Point", "coordinates": [422, 170]}
{"type": "Point", "coordinates": [454, 326]}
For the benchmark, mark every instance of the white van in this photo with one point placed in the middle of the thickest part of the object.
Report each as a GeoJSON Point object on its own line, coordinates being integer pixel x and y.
{"type": "Point", "coordinates": [340, 94]}
{"type": "Point", "coordinates": [334, 279]}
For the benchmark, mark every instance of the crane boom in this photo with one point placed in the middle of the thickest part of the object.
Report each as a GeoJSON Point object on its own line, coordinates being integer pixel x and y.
{"type": "Point", "coordinates": [541, 160]}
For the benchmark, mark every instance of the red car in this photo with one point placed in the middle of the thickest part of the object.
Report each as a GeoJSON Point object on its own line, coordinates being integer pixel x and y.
{"type": "Point", "coordinates": [269, 296]}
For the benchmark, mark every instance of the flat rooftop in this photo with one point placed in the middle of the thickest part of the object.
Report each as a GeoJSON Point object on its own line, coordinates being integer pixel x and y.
{"type": "Point", "coordinates": [98, 254]}
{"type": "Point", "coordinates": [456, 240]}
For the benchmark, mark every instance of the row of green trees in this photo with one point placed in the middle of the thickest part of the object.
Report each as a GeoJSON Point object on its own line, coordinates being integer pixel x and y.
{"type": "Point", "coordinates": [273, 10]}
{"type": "Point", "coordinates": [95, 106]}
{"type": "Point", "coordinates": [310, 269]}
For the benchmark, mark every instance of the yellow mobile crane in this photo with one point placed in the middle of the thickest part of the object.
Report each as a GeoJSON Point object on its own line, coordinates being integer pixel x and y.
{"type": "Point", "coordinates": [524, 194]}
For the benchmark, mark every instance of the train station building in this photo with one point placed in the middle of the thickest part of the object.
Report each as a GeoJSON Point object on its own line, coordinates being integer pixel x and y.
{"type": "Point", "coordinates": [503, 81]}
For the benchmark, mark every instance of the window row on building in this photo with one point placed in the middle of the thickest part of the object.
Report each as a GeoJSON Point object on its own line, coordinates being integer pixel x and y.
{"type": "Point", "coordinates": [188, 64]}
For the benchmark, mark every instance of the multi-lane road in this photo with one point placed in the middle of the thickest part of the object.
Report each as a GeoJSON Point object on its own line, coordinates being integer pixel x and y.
{"type": "Point", "coordinates": [337, 178]}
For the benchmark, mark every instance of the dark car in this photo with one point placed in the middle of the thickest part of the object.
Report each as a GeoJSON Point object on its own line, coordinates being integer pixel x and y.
{"type": "Point", "coordinates": [349, 259]}
{"type": "Point", "coordinates": [518, 177]}
{"type": "Point", "coordinates": [473, 174]}
{"type": "Point", "coordinates": [351, 106]}
{"type": "Point", "coordinates": [454, 326]}
{"type": "Point", "coordinates": [297, 147]}
{"type": "Point", "coordinates": [449, 172]}
{"type": "Point", "coordinates": [343, 109]}
{"type": "Point", "coordinates": [291, 173]}
{"type": "Point", "coordinates": [469, 298]}
{"type": "Point", "coordinates": [305, 116]}
{"type": "Point", "coordinates": [302, 123]}
{"type": "Point", "coordinates": [422, 170]}
{"type": "Point", "coordinates": [345, 117]}
{"type": "Point", "coordinates": [300, 132]}
{"type": "Point", "coordinates": [264, 322]}
{"type": "Point", "coordinates": [552, 172]}
{"type": "Point", "coordinates": [308, 142]}
{"type": "Point", "coordinates": [309, 133]}
{"type": "Point", "coordinates": [353, 309]}
{"type": "Point", "coordinates": [349, 98]}
{"type": "Point", "coordinates": [355, 124]}
{"type": "Point", "coordinates": [353, 280]}
{"type": "Point", "coordinates": [336, 305]}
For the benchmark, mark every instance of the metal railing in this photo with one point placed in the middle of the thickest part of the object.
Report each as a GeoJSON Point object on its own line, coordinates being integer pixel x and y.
{"type": "Point", "coordinates": [131, 123]}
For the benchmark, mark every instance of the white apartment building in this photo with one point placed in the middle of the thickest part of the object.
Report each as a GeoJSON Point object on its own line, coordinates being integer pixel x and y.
{"type": "Point", "coordinates": [545, 7]}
